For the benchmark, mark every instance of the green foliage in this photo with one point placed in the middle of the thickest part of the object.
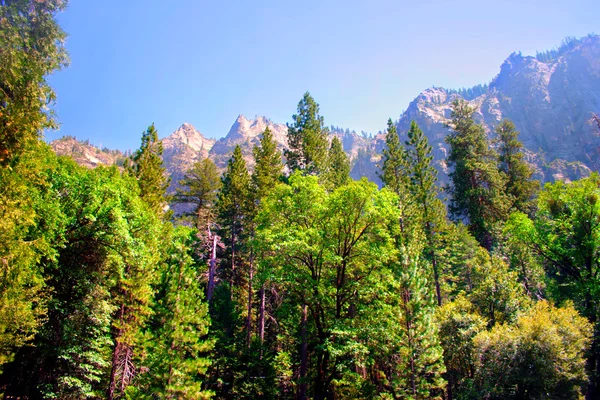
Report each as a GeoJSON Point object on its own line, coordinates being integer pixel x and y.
{"type": "Point", "coordinates": [337, 171]}
{"type": "Point", "coordinates": [268, 166]}
{"type": "Point", "coordinates": [477, 194]}
{"type": "Point", "coordinates": [519, 184]}
{"type": "Point", "coordinates": [420, 363]}
{"type": "Point", "coordinates": [393, 169]}
{"type": "Point", "coordinates": [327, 250]}
{"type": "Point", "coordinates": [424, 189]}
{"type": "Point", "coordinates": [307, 139]}
{"type": "Point", "coordinates": [234, 202]}
{"type": "Point", "coordinates": [177, 351]}
{"type": "Point", "coordinates": [32, 48]}
{"type": "Point", "coordinates": [149, 171]}
{"type": "Point", "coordinates": [459, 323]}
{"type": "Point", "coordinates": [539, 357]}
{"type": "Point", "coordinates": [200, 186]}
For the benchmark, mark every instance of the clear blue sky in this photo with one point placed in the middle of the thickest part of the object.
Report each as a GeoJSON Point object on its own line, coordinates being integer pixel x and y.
{"type": "Point", "coordinates": [136, 62]}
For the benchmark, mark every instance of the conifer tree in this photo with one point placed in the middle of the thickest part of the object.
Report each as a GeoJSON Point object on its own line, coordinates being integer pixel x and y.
{"type": "Point", "coordinates": [423, 186]}
{"type": "Point", "coordinates": [234, 203]}
{"type": "Point", "coordinates": [149, 171]}
{"type": "Point", "coordinates": [337, 171]}
{"type": "Point", "coordinates": [421, 364]}
{"type": "Point", "coordinates": [395, 174]}
{"type": "Point", "coordinates": [178, 348]}
{"type": "Point", "coordinates": [268, 166]}
{"type": "Point", "coordinates": [307, 139]}
{"type": "Point", "coordinates": [199, 187]}
{"type": "Point", "coordinates": [477, 192]}
{"type": "Point", "coordinates": [519, 184]}
{"type": "Point", "coordinates": [393, 169]}
{"type": "Point", "coordinates": [267, 172]}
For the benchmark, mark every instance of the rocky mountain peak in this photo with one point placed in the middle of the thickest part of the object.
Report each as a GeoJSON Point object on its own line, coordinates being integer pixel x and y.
{"type": "Point", "coordinates": [187, 135]}
{"type": "Point", "coordinates": [247, 133]}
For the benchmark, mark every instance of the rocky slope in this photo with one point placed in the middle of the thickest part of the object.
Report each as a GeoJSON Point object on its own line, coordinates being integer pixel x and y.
{"type": "Point", "coordinates": [550, 98]}
{"type": "Point", "coordinates": [86, 154]}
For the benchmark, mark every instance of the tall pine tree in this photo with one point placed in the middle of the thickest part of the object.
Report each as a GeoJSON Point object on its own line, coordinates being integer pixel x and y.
{"type": "Point", "coordinates": [307, 139]}
{"type": "Point", "coordinates": [199, 187]}
{"type": "Point", "coordinates": [233, 205]}
{"type": "Point", "coordinates": [337, 171]}
{"type": "Point", "coordinates": [519, 183]}
{"type": "Point", "coordinates": [423, 179]}
{"type": "Point", "coordinates": [149, 171]}
{"type": "Point", "coordinates": [268, 166]}
{"type": "Point", "coordinates": [477, 194]}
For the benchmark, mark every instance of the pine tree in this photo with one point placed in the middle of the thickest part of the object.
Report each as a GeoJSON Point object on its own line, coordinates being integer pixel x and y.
{"type": "Point", "coordinates": [149, 171]}
{"type": "Point", "coordinates": [519, 184]}
{"type": "Point", "coordinates": [199, 187]}
{"type": "Point", "coordinates": [177, 346]}
{"type": "Point", "coordinates": [393, 169]}
{"type": "Point", "coordinates": [337, 172]}
{"type": "Point", "coordinates": [234, 203]}
{"type": "Point", "coordinates": [267, 172]}
{"type": "Point", "coordinates": [307, 139]}
{"type": "Point", "coordinates": [477, 192]}
{"type": "Point", "coordinates": [268, 166]}
{"type": "Point", "coordinates": [421, 364]}
{"type": "Point", "coordinates": [423, 179]}
{"type": "Point", "coordinates": [395, 174]}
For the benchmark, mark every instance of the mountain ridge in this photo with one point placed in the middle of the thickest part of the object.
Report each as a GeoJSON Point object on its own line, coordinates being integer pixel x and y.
{"type": "Point", "coordinates": [550, 97]}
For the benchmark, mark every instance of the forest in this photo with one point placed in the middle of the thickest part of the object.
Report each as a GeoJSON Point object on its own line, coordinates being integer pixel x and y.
{"type": "Point", "coordinates": [291, 281]}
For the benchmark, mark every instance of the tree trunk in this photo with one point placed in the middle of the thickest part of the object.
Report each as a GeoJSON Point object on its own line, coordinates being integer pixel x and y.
{"type": "Point", "coordinates": [261, 316]}
{"type": "Point", "coordinates": [212, 267]}
{"type": "Point", "coordinates": [303, 355]}
{"type": "Point", "coordinates": [249, 307]}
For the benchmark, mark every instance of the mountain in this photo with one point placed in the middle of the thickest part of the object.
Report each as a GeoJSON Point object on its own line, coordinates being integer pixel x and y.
{"type": "Point", "coordinates": [246, 133]}
{"type": "Point", "coordinates": [86, 154]}
{"type": "Point", "coordinates": [550, 97]}
{"type": "Point", "coordinates": [181, 149]}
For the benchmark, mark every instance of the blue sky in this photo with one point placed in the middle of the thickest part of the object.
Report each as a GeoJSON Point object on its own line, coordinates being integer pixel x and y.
{"type": "Point", "coordinates": [136, 62]}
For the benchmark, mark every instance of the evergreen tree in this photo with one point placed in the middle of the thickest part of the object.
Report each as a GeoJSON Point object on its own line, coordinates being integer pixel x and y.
{"type": "Point", "coordinates": [519, 184]}
{"type": "Point", "coordinates": [267, 172]}
{"type": "Point", "coordinates": [177, 346]}
{"type": "Point", "coordinates": [233, 205]}
{"type": "Point", "coordinates": [337, 172]}
{"type": "Point", "coordinates": [149, 171]}
{"type": "Point", "coordinates": [307, 139]}
{"type": "Point", "coordinates": [268, 166]}
{"type": "Point", "coordinates": [423, 186]}
{"type": "Point", "coordinates": [393, 169]}
{"type": "Point", "coordinates": [32, 46]}
{"type": "Point", "coordinates": [199, 187]}
{"type": "Point", "coordinates": [421, 365]}
{"type": "Point", "coordinates": [395, 174]}
{"type": "Point", "coordinates": [477, 191]}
